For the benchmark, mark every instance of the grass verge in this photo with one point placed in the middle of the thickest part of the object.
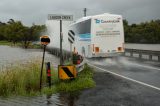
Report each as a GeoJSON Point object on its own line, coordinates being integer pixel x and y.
{"type": "Point", "coordinates": [23, 80]}
{"type": "Point", "coordinates": [83, 81]}
{"type": "Point", "coordinates": [5, 43]}
{"type": "Point", "coordinates": [19, 44]}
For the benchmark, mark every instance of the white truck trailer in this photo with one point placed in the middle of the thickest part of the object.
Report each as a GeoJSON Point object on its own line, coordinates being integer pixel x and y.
{"type": "Point", "coordinates": [99, 35]}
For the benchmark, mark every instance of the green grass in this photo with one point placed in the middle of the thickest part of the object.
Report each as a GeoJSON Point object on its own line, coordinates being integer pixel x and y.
{"type": "Point", "coordinates": [83, 81]}
{"type": "Point", "coordinates": [5, 43]}
{"type": "Point", "coordinates": [35, 46]}
{"type": "Point", "coordinates": [20, 79]}
{"type": "Point", "coordinates": [23, 79]}
{"type": "Point", "coordinates": [19, 44]}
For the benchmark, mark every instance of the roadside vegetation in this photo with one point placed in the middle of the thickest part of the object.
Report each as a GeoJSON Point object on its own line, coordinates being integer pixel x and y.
{"type": "Point", "coordinates": [31, 44]}
{"type": "Point", "coordinates": [23, 80]}
{"type": "Point", "coordinates": [5, 43]}
{"type": "Point", "coordinates": [83, 81]}
{"type": "Point", "coordinates": [15, 32]}
{"type": "Point", "coordinates": [146, 32]}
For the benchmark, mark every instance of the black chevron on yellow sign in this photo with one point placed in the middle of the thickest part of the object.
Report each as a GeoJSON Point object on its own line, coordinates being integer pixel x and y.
{"type": "Point", "coordinates": [45, 40]}
{"type": "Point", "coordinates": [66, 72]}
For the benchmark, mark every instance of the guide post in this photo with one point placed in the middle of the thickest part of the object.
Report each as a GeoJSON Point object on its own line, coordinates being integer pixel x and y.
{"type": "Point", "coordinates": [44, 41]}
{"type": "Point", "coordinates": [48, 72]}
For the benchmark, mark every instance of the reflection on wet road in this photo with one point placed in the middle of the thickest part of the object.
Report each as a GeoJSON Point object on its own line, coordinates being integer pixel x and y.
{"type": "Point", "coordinates": [147, 72]}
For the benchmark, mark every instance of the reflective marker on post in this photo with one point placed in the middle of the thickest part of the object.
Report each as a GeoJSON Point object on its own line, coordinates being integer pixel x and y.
{"type": "Point", "coordinates": [48, 74]}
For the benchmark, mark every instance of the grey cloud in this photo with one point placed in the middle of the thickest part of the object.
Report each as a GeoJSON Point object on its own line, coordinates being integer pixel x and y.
{"type": "Point", "coordinates": [30, 11]}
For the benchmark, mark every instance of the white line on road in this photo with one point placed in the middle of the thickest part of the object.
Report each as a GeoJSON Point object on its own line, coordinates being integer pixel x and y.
{"type": "Point", "coordinates": [142, 83]}
{"type": "Point", "coordinates": [148, 67]}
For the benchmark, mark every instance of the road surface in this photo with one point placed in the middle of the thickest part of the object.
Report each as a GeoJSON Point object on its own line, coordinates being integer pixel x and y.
{"type": "Point", "coordinates": [123, 81]}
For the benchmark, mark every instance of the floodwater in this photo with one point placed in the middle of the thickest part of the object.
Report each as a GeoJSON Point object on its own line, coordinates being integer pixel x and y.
{"type": "Point", "coordinates": [68, 99]}
{"type": "Point", "coordinates": [154, 47]}
{"type": "Point", "coordinates": [10, 56]}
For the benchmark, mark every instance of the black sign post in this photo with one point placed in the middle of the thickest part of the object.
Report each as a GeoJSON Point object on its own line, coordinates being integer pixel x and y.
{"type": "Point", "coordinates": [44, 41]}
{"type": "Point", "coordinates": [42, 66]}
{"type": "Point", "coordinates": [60, 17]}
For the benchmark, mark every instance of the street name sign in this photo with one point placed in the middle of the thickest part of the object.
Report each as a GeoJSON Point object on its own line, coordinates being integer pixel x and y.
{"type": "Point", "coordinates": [60, 17]}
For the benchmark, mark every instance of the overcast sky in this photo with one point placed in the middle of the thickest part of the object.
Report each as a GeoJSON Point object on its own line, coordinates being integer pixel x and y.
{"type": "Point", "coordinates": [36, 11]}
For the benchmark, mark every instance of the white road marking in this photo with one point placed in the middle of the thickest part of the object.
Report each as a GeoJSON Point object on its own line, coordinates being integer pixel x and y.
{"type": "Point", "coordinates": [142, 83]}
{"type": "Point", "coordinates": [148, 67]}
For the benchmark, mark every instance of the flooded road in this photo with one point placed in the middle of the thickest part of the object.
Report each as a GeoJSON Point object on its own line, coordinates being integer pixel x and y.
{"type": "Point", "coordinates": [144, 71]}
{"type": "Point", "coordinates": [12, 55]}
{"type": "Point", "coordinates": [154, 47]}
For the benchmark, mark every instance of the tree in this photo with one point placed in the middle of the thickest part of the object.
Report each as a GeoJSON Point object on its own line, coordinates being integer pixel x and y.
{"type": "Point", "coordinates": [14, 30]}
{"type": "Point", "coordinates": [2, 27]}
{"type": "Point", "coordinates": [146, 32]}
{"type": "Point", "coordinates": [31, 34]}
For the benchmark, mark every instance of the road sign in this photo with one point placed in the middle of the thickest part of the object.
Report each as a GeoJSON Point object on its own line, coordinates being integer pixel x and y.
{"type": "Point", "coordinates": [71, 36]}
{"type": "Point", "coordinates": [45, 40]}
{"type": "Point", "coordinates": [60, 17]}
{"type": "Point", "coordinates": [67, 72]}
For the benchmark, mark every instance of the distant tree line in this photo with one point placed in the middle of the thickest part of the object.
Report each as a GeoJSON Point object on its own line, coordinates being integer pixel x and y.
{"type": "Point", "coordinates": [15, 31]}
{"type": "Point", "coordinates": [147, 32]}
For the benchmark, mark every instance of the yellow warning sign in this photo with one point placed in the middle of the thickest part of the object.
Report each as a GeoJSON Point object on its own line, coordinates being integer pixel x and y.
{"type": "Point", "coordinates": [67, 72]}
{"type": "Point", "coordinates": [45, 40]}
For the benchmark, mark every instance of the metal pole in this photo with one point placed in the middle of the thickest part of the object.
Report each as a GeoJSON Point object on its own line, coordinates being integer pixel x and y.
{"type": "Point", "coordinates": [42, 67]}
{"type": "Point", "coordinates": [85, 11]}
{"type": "Point", "coordinates": [61, 61]}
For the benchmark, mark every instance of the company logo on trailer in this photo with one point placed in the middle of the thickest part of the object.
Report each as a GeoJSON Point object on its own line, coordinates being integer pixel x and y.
{"type": "Point", "coordinates": [97, 21]}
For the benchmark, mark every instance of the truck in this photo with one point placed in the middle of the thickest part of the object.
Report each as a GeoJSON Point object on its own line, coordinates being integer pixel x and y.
{"type": "Point", "coordinates": [98, 36]}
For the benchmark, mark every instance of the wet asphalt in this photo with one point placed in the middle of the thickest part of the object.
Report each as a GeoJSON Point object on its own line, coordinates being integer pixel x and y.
{"type": "Point", "coordinates": [140, 70]}
{"type": "Point", "coordinates": [113, 90]}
